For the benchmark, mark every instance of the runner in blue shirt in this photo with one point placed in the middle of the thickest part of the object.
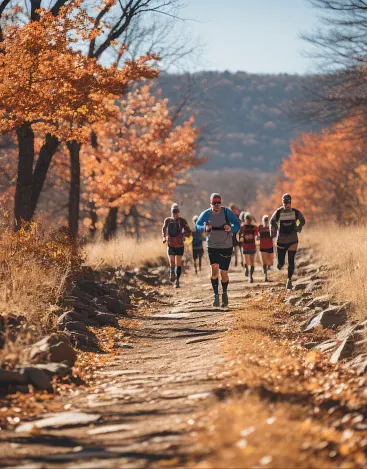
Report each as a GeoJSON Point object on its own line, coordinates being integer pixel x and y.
{"type": "Point", "coordinates": [219, 223]}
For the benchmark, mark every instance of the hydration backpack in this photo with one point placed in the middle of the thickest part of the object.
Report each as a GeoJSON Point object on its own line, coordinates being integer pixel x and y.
{"type": "Point", "coordinates": [175, 236]}
{"type": "Point", "coordinates": [287, 226]}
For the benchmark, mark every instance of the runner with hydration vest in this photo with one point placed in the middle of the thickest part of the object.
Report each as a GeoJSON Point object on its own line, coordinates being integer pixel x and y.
{"type": "Point", "coordinates": [285, 224]}
{"type": "Point", "coordinates": [197, 245]}
{"type": "Point", "coordinates": [218, 223]}
{"type": "Point", "coordinates": [174, 230]}
{"type": "Point", "coordinates": [236, 244]}
{"type": "Point", "coordinates": [266, 246]}
{"type": "Point", "coordinates": [247, 236]}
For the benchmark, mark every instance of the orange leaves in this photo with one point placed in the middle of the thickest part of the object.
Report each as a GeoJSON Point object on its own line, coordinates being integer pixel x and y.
{"type": "Point", "coordinates": [326, 174]}
{"type": "Point", "coordinates": [140, 155]}
{"type": "Point", "coordinates": [45, 81]}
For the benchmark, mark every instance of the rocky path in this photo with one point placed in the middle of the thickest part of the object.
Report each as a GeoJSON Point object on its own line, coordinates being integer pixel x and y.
{"type": "Point", "coordinates": [140, 410]}
{"type": "Point", "coordinates": [201, 387]}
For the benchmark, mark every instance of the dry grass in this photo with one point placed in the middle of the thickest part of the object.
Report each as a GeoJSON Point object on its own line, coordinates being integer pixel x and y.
{"type": "Point", "coordinates": [33, 271]}
{"type": "Point", "coordinates": [283, 418]}
{"type": "Point", "coordinates": [125, 253]}
{"type": "Point", "coordinates": [344, 251]}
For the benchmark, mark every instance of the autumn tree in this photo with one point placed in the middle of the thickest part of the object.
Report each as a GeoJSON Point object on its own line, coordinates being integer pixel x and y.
{"type": "Point", "coordinates": [46, 85]}
{"type": "Point", "coordinates": [326, 173]}
{"type": "Point", "coordinates": [141, 155]}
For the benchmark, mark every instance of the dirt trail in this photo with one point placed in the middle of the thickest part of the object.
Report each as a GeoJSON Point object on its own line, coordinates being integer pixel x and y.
{"type": "Point", "coordinates": [205, 387]}
{"type": "Point", "coordinates": [148, 395]}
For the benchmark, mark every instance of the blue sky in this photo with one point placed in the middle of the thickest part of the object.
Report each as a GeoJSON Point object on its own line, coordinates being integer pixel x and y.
{"type": "Point", "coordinates": [256, 36]}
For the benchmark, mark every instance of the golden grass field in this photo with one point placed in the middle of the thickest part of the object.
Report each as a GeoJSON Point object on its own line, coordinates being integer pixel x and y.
{"type": "Point", "coordinates": [124, 252]}
{"type": "Point", "coordinates": [343, 250]}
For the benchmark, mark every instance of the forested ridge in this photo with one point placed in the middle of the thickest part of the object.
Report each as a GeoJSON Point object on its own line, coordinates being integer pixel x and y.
{"type": "Point", "coordinates": [247, 120]}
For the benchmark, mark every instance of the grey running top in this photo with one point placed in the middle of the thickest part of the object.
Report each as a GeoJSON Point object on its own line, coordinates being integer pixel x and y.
{"type": "Point", "coordinates": [218, 239]}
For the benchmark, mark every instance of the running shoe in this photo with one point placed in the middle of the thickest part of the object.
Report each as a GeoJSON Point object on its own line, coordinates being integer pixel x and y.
{"type": "Point", "coordinates": [172, 277]}
{"type": "Point", "coordinates": [224, 299]}
{"type": "Point", "coordinates": [250, 279]}
{"type": "Point", "coordinates": [216, 300]}
{"type": "Point", "coordinates": [177, 284]}
{"type": "Point", "coordinates": [289, 284]}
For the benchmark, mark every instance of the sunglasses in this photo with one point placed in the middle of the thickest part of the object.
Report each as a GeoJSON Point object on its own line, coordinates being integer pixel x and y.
{"type": "Point", "coordinates": [217, 203]}
{"type": "Point", "coordinates": [175, 211]}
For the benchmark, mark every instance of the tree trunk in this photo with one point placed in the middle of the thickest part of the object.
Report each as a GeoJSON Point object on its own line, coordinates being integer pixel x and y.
{"type": "Point", "coordinates": [23, 191]}
{"type": "Point", "coordinates": [92, 205]}
{"type": "Point", "coordinates": [135, 214]}
{"type": "Point", "coordinates": [74, 192]}
{"type": "Point", "coordinates": [43, 163]}
{"type": "Point", "coordinates": [110, 226]}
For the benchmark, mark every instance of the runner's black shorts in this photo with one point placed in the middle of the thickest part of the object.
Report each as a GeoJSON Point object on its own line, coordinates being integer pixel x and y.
{"type": "Point", "coordinates": [249, 251]}
{"type": "Point", "coordinates": [269, 250]}
{"type": "Point", "coordinates": [221, 257]}
{"type": "Point", "coordinates": [197, 253]}
{"type": "Point", "coordinates": [175, 251]}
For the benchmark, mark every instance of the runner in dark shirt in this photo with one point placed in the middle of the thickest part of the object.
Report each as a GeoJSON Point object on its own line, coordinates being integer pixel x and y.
{"type": "Point", "coordinates": [237, 252]}
{"type": "Point", "coordinates": [266, 246]}
{"type": "Point", "coordinates": [197, 245]}
{"type": "Point", "coordinates": [247, 236]}
{"type": "Point", "coordinates": [174, 230]}
{"type": "Point", "coordinates": [285, 224]}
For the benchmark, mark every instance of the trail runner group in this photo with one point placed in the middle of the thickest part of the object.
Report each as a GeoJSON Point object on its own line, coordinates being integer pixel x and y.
{"type": "Point", "coordinates": [227, 232]}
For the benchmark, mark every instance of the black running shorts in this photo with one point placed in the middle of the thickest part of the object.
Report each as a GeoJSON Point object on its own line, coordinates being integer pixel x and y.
{"type": "Point", "coordinates": [221, 257]}
{"type": "Point", "coordinates": [197, 253]}
{"type": "Point", "coordinates": [175, 251]}
{"type": "Point", "coordinates": [269, 250]}
{"type": "Point", "coordinates": [249, 251]}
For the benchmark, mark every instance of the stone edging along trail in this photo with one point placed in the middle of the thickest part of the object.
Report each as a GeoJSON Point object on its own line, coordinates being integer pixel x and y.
{"type": "Point", "coordinates": [141, 409]}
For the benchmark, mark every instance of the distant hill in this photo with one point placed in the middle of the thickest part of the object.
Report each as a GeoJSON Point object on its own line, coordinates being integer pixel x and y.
{"type": "Point", "coordinates": [242, 115]}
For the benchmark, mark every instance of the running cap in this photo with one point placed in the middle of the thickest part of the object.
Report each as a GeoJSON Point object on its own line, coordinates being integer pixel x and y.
{"type": "Point", "coordinates": [287, 199]}
{"type": "Point", "coordinates": [174, 207]}
{"type": "Point", "coordinates": [215, 195]}
{"type": "Point", "coordinates": [265, 218]}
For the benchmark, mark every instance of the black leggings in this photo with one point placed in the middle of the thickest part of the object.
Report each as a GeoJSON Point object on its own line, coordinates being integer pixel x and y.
{"type": "Point", "coordinates": [281, 252]}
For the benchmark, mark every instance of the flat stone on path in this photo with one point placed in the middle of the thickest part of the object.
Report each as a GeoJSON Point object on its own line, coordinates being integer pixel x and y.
{"type": "Point", "coordinates": [119, 427]}
{"type": "Point", "coordinates": [119, 372]}
{"type": "Point", "coordinates": [172, 316]}
{"type": "Point", "coordinates": [59, 420]}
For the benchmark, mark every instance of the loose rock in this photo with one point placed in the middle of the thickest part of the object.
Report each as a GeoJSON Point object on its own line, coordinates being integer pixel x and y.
{"type": "Point", "coordinates": [37, 378]}
{"type": "Point", "coordinates": [53, 348]}
{"type": "Point", "coordinates": [107, 319]}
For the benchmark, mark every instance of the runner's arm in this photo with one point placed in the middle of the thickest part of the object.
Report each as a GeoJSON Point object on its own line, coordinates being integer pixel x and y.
{"type": "Point", "coordinates": [233, 220]}
{"type": "Point", "coordinates": [301, 220]}
{"type": "Point", "coordinates": [186, 227]}
{"type": "Point", "coordinates": [273, 225]}
{"type": "Point", "coordinates": [164, 228]}
{"type": "Point", "coordinates": [203, 218]}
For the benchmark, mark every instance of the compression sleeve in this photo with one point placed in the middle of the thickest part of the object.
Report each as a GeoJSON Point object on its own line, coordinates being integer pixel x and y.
{"type": "Point", "coordinates": [164, 228]}
{"type": "Point", "coordinates": [273, 225]}
{"type": "Point", "coordinates": [301, 219]}
{"type": "Point", "coordinates": [186, 226]}
{"type": "Point", "coordinates": [233, 220]}
{"type": "Point", "coordinates": [203, 218]}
